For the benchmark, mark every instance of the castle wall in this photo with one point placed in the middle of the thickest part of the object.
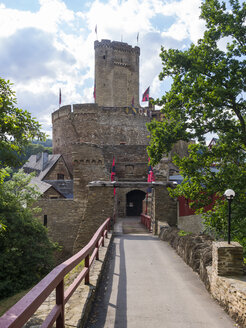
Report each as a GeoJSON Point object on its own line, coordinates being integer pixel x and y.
{"type": "Point", "coordinates": [63, 221]}
{"type": "Point", "coordinates": [99, 207]}
{"type": "Point", "coordinates": [52, 193]}
{"type": "Point", "coordinates": [164, 208]}
{"type": "Point", "coordinates": [98, 125]}
{"type": "Point", "coordinates": [89, 165]}
{"type": "Point", "coordinates": [116, 74]}
{"type": "Point", "coordinates": [130, 161]}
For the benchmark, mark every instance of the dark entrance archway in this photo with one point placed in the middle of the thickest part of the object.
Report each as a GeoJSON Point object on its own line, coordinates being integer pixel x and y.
{"type": "Point", "coordinates": [134, 201]}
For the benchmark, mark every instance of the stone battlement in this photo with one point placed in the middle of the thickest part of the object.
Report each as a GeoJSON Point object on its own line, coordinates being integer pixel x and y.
{"type": "Point", "coordinates": [77, 109]}
{"type": "Point", "coordinates": [116, 45]}
{"type": "Point", "coordinates": [92, 108]}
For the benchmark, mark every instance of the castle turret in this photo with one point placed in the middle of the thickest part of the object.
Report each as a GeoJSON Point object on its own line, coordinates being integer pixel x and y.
{"type": "Point", "coordinates": [116, 74]}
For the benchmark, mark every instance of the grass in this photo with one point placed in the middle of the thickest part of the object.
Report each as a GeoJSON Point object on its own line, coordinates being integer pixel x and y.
{"type": "Point", "coordinates": [8, 302]}
{"type": "Point", "coordinates": [73, 273]}
{"type": "Point", "coordinates": [183, 233]}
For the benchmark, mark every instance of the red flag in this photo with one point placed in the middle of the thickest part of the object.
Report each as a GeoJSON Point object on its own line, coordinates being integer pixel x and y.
{"type": "Point", "coordinates": [113, 170]}
{"type": "Point", "coordinates": [151, 176]}
{"type": "Point", "coordinates": [94, 92]}
{"type": "Point", "coordinates": [146, 95]}
{"type": "Point", "coordinates": [59, 97]}
{"type": "Point", "coordinates": [133, 101]}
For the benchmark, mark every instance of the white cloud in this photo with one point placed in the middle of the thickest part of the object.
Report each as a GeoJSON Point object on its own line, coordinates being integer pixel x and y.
{"type": "Point", "coordinates": [53, 47]}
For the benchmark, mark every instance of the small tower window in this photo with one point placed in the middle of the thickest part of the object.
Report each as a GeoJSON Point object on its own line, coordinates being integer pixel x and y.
{"type": "Point", "coordinates": [104, 57]}
{"type": "Point", "coordinates": [60, 176]}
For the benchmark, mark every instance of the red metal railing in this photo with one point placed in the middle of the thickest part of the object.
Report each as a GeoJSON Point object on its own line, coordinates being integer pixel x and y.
{"type": "Point", "coordinates": [146, 220]}
{"type": "Point", "coordinates": [19, 314]}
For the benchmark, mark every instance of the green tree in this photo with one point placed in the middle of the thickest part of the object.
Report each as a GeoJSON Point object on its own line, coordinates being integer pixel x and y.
{"type": "Point", "coordinates": [208, 96]}
{"type": "Point", "coordinates": [32, 148]}
{"type": "Point", "coordinates": [26, 252]}
{"type": "Point", "coordinates": [17, 127]}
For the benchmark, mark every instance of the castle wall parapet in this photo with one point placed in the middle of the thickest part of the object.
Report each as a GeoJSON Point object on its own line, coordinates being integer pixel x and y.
{"type": "Point", "coordinates": [121, 46]}
{"type": "Point", "coordinates": [85, 108]}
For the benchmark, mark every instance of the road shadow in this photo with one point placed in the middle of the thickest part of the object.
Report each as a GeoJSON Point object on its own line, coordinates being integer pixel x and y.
{"type": "Point", "coordinates": [108, 301]}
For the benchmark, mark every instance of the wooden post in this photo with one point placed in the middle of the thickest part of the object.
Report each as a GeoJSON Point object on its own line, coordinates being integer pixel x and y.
{"type": "Point", "coordinates": [60, 321]}
{"type": "Point", "coordinates": [103, 238]}
{"type": "Point", "coordinates": [97, 247]}
{"type": "Point", "coordinates": [87, 265]}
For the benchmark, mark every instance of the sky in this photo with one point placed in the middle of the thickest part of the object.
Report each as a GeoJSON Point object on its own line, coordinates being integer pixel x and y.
{"type": "Point", "coordinates": [49, 44]}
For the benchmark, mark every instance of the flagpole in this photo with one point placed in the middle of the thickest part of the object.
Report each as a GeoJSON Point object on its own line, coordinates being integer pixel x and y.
{"type": "Point", "coordinates": [59, 98]}
{"type": "Point", "coordinates": [96, 31]}
{"type": "Point", "coordinates": [149, 95]}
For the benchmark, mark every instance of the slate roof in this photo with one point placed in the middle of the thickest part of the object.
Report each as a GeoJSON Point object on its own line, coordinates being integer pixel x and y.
{"type": "Point", "coordinates": [42, 186]}
{"type": "Point", "coordinates": [40, 166]}
{"type": "Point", "coordinates": [64, 187]}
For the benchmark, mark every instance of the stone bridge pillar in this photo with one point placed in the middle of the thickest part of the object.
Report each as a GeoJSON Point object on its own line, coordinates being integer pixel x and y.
{"type": "Point", "coordinates": [100, 206]}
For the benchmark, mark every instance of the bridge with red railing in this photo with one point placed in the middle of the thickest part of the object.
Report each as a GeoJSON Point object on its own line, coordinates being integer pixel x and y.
{"type": "Point", "coordinates": [146, 285]}
{"type": "Point", "coordinates": [21, 312]}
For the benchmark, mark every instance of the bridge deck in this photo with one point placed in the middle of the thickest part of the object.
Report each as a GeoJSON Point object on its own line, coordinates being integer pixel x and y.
{"type": "Point", "coordinates": [146, 284]}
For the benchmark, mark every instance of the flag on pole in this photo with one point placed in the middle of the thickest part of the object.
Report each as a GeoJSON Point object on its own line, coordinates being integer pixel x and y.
{"type": "Point", "coordinates": [113, 174]}
{"type": "Point", "coordinates": [94, 92]}
{"type": "Point", "coordinates": [113, 170]}
{"type": "Point", "coordinates": [151, 176]}
{"type": "Point", "coordinates": [59, 97]}
{"type": "Point", "coordinates": [133, 108]}
{"type": "Point", "coordinates": [96, 31]}
{"type": "Point", "coordinates": [146, 95]}
{"type": "Point", "coordinates": [137, 37]}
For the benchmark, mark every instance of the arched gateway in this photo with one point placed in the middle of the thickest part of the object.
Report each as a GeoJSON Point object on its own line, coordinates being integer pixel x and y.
{"type": "Point", "coordinates": [134, 201]}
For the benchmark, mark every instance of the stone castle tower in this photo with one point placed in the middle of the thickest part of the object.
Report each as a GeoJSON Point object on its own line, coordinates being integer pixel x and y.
{"type": "Point", "coordinates": [89, 137]}
{"type": "Point", "coordinates": [116, 74]}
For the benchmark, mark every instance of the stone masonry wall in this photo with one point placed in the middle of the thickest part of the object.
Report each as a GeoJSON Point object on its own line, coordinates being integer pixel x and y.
{"type": "Point", "coordinates": [52, 193]}
{"type": "Point", "coordinates": [89, 165]}
{"type": "Point", "coordinates": [196, 251]}
{"type": "Point", "coordinates": [116, 73]}
{"type": "Point", "coordinates": [164, 207]}
{"type": "Point", "coordinates": [130, 161]}
{"type": "Point", "coordinates": [63, 220]}
{"type": "Point", "coordinates": [230, 292]}
{"type": "Point", "coordinates": [191, 223]}
{"type": "Point", "coordinates": [99, 206]}
{"type": "Point", "coordinates": [97, 125]}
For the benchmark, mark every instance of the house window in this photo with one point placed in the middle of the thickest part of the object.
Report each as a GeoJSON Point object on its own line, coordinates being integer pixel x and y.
{"type": "Point", "coordinates": [60, 176]}
{"type": "Point", "coordinates": [45, 220]}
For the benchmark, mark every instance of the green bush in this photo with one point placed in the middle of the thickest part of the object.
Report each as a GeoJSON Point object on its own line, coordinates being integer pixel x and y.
{"type": "Point", "coordinates": [26, 253]}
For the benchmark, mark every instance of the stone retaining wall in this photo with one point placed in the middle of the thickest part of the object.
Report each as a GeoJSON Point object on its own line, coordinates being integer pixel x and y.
{"type": "Point", "coordinates": [230, 292]}
{"type": "Point", "coordinates": [196, 251]}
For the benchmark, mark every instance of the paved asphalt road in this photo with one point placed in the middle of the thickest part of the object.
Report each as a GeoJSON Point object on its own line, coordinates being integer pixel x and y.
{"type": "Point", "coordinates": [146, 284]}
